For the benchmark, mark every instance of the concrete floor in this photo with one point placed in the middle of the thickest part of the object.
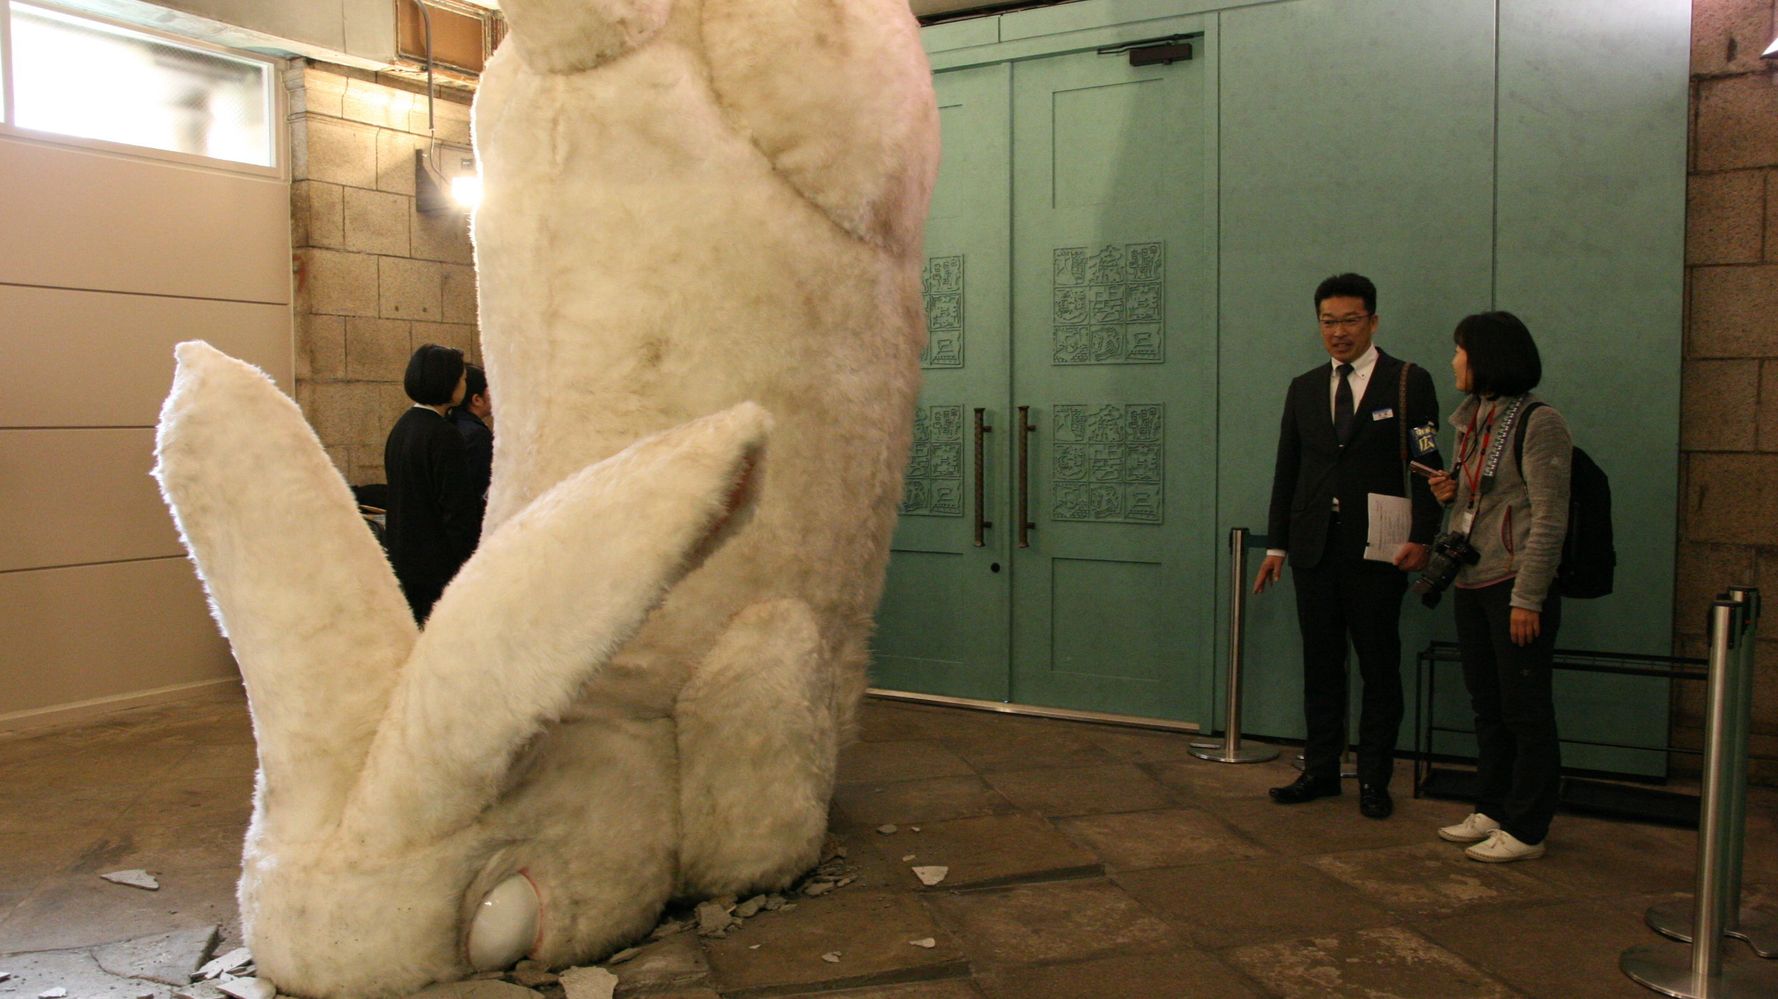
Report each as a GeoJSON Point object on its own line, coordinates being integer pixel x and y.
{"type": "Point", "coordinates": [1084, 861]}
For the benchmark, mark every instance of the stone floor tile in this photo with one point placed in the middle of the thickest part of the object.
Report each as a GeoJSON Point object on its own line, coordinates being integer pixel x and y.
{"type": "Point", "coordinates": [1161, 838]}
{"type": "Point", "coordinates": [1119, 787]}
{"type": "Point", "coordinates": [870, 931]}
{"type": "Point", "coordinates": [989, 850]}
{"type": "Point", "coordinates": [1333, 825]}
{"type": "Point", "coordinates": [954, 988]}
{"type": "Point", "coordinates": [1207, 780]}
{"type": "Point", "coordinates": [893, 760]}
{"type": "Point", "coordinates": [76, 971]}
{"type": "Point", "coordinates": [170, 958]}
{"type": "Point", "coordinates": [1139, 745]}
{"type": "Point", "coordinates": [1588, 856]}
{"type": "Point", "coordinates": [1387, 963]}
{"type": "Point", "coordinates": [1185, 973]}
{"type": "Point", "coordinates": [1434, 879]}
{"type": "Point", "coordinates": [889, 721]}
{"type": "Point", "coordinates": [1576, 944]}
{"type": "Point", "coordinates": [1271, 898]}
{"type": "Point", "coordinates": [675, 962]}
{"type": "Point", "coordinates": [1029, 924]}
{"type": "Point", "coordinates": [1023, 745]}
{"type": "Point", "coordinates": [914, 801]}
{"type": "Point", "coordinates": [80, 910]}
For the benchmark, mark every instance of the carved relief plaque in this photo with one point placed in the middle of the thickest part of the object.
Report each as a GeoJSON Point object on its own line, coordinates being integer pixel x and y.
{"type": "Point", "coordinates": [1108, 304]}
{"type": "Point", "coordinates": [1106, 462]}
{"type": "Point", "coordinates": [935, 464]}
{"type": "Point", "coordinates": [942, 281]}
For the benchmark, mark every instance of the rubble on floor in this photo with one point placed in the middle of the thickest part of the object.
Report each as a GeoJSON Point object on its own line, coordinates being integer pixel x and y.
{"type": "Point", "coordinates": [135, 877]}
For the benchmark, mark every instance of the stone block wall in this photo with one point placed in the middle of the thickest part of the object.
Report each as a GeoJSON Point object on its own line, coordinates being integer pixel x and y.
{"type": "Point", "coordinates": [375, 278]}
{"type": "Point", "coordinates": [1728, 433]}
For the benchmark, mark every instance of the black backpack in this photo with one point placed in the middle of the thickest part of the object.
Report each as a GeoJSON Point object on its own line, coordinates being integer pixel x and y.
{"type": "Point", "coordinates": [1589, 560]}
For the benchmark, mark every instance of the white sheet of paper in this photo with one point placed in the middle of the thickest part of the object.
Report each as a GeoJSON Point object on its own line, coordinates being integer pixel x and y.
{"type": "Point", "coordinates": [1391, 519]}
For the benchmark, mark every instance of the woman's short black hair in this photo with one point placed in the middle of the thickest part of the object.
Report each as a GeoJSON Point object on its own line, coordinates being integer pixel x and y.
{"type": "Point", "coordinates": [1347, 286]}
{"type": "Point", "coordinates": [1503, 359]}
{"type": "Point", "coordinates": [432, 374]}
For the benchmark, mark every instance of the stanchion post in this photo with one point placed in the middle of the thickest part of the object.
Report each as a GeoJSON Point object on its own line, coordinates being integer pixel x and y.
{"type": "Point", "coordinates": [1230, 749]}
{"type": "Point", "coordinates": [1757, 929]}
{"type": "Point", "coordinates": [1706, 975]}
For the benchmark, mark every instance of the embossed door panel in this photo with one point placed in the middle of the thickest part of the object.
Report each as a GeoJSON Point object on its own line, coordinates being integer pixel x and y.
{"type": "Point", "coordinates": [943, 626]}
{"type": "Point", "coordinates": [1114, 352]}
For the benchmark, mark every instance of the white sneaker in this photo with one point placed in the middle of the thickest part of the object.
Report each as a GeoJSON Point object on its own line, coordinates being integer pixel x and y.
{"type": "Point", "coordinates": [1502, 847]}
{"type": "Point", "coordinates": [1473, 829]}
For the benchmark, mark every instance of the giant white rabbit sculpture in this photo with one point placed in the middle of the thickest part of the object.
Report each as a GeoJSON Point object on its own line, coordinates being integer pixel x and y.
{"type": "Point", "coordinates": [697, 213]}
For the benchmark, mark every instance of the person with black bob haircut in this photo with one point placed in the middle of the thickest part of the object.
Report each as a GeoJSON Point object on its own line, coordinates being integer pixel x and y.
{"type": "Point", "coordinates": [434, 516]}
{"type": "Point", "coordinates": [1507, 611]}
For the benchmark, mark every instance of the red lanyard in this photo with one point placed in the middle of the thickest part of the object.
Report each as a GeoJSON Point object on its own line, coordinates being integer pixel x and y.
{"type": "Point", "coordinates": [1472, 446]}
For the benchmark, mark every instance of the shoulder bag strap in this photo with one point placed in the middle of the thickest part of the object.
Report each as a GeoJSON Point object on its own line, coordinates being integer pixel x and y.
{"type": "Point", "coordinates": [1401, 419]}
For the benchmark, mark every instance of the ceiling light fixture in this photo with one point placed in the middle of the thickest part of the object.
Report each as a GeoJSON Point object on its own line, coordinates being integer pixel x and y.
{"type": "Point", "coordinates": [442, 183]}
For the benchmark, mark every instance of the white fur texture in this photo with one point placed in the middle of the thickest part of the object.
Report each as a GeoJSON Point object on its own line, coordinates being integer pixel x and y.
{"type": "Point", "coordinates": [696, 212]}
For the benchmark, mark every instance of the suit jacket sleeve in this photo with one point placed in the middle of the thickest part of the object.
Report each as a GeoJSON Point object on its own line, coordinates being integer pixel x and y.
{"type": "Point", "coordinates": [1284, 475]}
{"type": "Point", "coordinates": [1423, 409]}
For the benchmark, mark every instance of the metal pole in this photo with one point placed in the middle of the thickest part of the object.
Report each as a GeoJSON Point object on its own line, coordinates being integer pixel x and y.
{"type": "Point", "coordinates": [1229, 750]}
{"type": "Point", "coordinates": [1674, 919]}
{"type": "Point", "coordinates": [1707, 975]}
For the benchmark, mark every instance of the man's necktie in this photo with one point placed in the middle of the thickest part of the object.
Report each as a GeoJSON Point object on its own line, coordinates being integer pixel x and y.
{"type": "Point", "coordinates": [1343, 404]}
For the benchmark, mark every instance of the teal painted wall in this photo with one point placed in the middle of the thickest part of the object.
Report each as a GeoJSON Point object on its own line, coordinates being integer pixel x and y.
{"type": "Point", "coordinates": [1465, 154]}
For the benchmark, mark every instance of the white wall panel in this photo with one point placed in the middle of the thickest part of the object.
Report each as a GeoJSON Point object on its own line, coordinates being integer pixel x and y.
{"type": "Point", "coordinates": [105, 631]}
{"type": "Point", "coordinates": [77, 218]}
{"type": "Point", "coordinates": [82, 358]}
{"type": "Point", "coordinates": [71, 497]}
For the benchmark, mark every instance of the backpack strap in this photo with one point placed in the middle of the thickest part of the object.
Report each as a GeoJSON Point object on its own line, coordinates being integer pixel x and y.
{"type": "Point", "coordinates": [1519, 436]}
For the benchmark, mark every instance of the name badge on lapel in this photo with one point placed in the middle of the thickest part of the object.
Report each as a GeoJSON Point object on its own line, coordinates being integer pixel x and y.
{"type": "Point", "coordinates": [1381, 414]}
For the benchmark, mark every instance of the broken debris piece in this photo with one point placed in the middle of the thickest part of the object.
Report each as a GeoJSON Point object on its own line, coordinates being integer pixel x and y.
{"type": "Point", "coordinates": [589, 983]}
{"type": "Point", "coordinates": [831, 957]}
{"type": "Point", "coordinates": [135, 877]}
{"type": "Point", "coordinates": [56, 993]}
{"type": "Point", "coordinates": [887, 828]}
{"type": "Point", "coordinates": [750, 908]}
{"type": "Point", "coordinates": [931, 875]}
{"type": "Point", "coordinates": [817, 888]}
{"type": "Point", "coordinates": [926, 942]}
{"type": "Point", "coordinates": [907, 857]}
{"type": "Point", "coordinates": [713, 918]}
{"type": "Point", "coordinates": [247, 988]}
{"type": "Point", "coordinates": [228, 963]}
{"type": "Point", "coordinates": [623, 955]}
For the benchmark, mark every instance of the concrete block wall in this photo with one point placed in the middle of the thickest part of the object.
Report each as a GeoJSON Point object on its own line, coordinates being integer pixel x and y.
{"type": "Point", "coordinates": [375, 278]}
{"type": "Point", "coordinates": [1728, 519]}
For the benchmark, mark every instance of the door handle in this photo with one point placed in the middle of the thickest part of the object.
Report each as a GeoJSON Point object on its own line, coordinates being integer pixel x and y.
{"type": "Point", "coordinates": [1025, 429]}
{"type": "Point", "coordinates": [981, 524]}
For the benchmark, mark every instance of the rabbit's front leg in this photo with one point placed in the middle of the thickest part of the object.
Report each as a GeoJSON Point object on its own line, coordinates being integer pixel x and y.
{"type": "Point", "coordinates": [757, 752]}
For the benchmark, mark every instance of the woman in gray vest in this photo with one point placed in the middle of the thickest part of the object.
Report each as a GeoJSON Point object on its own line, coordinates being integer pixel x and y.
{"type": "Point", "coordinates": [1510, 502]}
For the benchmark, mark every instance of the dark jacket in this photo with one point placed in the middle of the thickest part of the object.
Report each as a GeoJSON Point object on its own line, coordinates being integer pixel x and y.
{"type": "Point", "coordinates": [1312, 467]}
{"type": "Point", "coordinates": [478, 450]}
{"type": "Point", "coordinates": [434, 518]}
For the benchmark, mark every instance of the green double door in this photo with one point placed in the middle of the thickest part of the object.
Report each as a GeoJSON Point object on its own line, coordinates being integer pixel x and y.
{"type": "Point", "coordinates": [1070, 383]}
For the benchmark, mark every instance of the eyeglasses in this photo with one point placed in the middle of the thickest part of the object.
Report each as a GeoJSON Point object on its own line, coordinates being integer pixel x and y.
{"type": "Point", "coordinates": [1348, 323]}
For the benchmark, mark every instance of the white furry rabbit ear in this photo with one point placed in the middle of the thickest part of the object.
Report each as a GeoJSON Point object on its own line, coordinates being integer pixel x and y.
{"type": "Point", "coordinates": [541, 606]}
{"type": "Point", "coordinates": [295, 578]}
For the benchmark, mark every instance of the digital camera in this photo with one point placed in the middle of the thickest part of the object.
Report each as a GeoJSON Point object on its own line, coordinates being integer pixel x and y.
{"type": "Point", "coordinates": [1451, 551]}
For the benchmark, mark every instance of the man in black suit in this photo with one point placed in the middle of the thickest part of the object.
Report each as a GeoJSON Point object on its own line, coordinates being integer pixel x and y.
{"type": "Point", "coordinates": [1341, 440]}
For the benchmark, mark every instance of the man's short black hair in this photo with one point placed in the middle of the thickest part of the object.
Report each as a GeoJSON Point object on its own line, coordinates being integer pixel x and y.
{"type": "Point", "coordinates": [475, 381]}
{"type": "Point", "coordinates": [1503, 359]}
{"type": "Point", "coordinates": [1347, 286]}
{"type": "Point", "coordinates": [432, 374]}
